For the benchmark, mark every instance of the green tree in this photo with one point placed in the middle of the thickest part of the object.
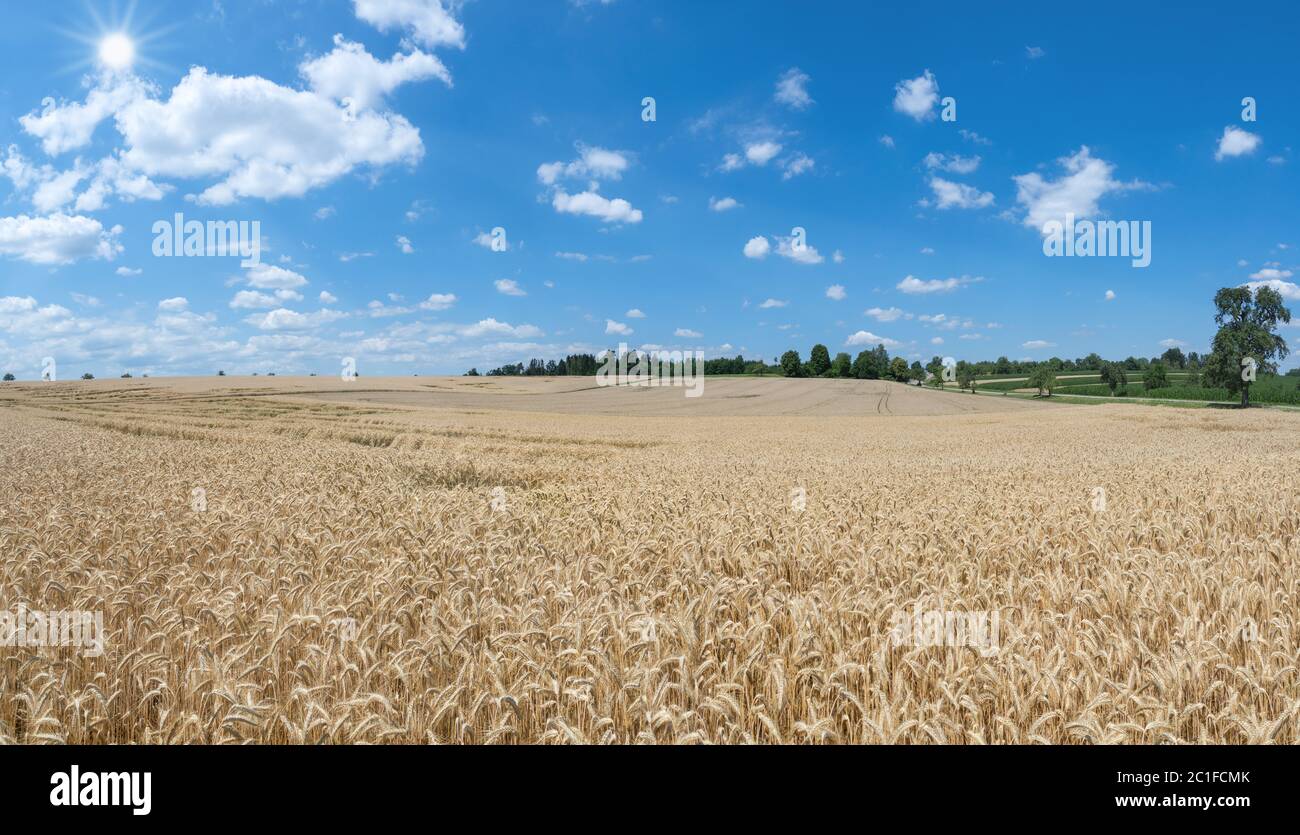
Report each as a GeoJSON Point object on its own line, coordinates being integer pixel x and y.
{"type": "Point", "coordinates": [1043, 378]}
{"type": "Point", "coordinates": [898, 369]}
{"type": "Point", "coordinates": [819, 361]}
{"type": "Point", "coordinates": [791, 364]}
{"type": "Point", "coordinates": [842, 365]}
{"type": "Point", "coordinates": [1155, 378]}
{"type": "Point", "coordinates": [1113, 375]}
{"type": "Point", "coordinates": [879, 363]}
{"type": "Point", "coordinates": [917, 374]}
{"type": "Point", "coordinates": [1246, 334]}
{"type": "Point", "coordinates": [87, 376]}
{"type": "Point", "coordinates": [9, 378]}
{"type": "Point", "coordinates": [861, 364]}
{"type": "Point", "coordinates": [1174, 358]}
{"type": "Point", "coordinates": [965, 376]}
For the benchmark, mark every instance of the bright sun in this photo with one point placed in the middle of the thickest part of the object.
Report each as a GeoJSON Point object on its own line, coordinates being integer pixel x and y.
{"type": "Point", "coordinates": [116, 51]}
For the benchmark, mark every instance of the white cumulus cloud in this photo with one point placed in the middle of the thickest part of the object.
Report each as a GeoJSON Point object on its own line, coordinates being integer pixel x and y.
{"type": "Point", "coordinates": [950, 195]}
{"type": "Point", "coordinates": [916, 97]}
{"type": "Point", "coordinates": [355, 78]}
{"type": "Point", "coordinates": [593, 204]}
{"type": "Point", "coordinates": [956, 164]}
{"type": "Point", "coordinates": [792, 89]}
{"type": "Point", "coordinates": [429, 22]}
{"type": "Point", "coordinates": [802, 254]}
{"type": "Point", "coordinates": [886, 314]}
{"type": "Point", "coordinates": [761, 153]}
{"type": "Point", "coordinates": [869, 338]}
{"type": "Point", "coordinates": [1086, 180]}
{"type": "Point", "coordinates": [757, 248]}
{"type": "Point", "coordinates": [592, 162]}
{"type": "Point", "coordinates": [271, 277]}
{"type": "Point", "coordinates": [915, 286]}
{"type": "Point", "coordinates": [257, 138]}
{"type": "Point", "coordinates": [57, 239]}
{"type": "Point", "coordinates": [1236, 142]}
{"type": "Point", "coordinates": [438, 301]}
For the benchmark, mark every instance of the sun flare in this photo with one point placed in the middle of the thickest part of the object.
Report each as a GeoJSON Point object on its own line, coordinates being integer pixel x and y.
{"type": "Point", "coordinates": [116, 51]}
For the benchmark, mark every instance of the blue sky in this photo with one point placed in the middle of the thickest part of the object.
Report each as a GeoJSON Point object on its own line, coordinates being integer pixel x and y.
{"type": "Point", "coordinates": [380, 142]}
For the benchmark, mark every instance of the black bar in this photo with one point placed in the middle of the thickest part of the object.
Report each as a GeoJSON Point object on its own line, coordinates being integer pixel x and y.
{"type": "Point", "coordinates": [256, 785]}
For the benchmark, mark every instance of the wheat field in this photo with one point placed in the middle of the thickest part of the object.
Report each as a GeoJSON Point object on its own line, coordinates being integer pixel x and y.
{"type": "Point", "coordinates": [277, 565]}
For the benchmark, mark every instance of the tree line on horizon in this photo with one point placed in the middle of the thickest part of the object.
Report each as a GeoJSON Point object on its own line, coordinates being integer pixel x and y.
{"type": "Point", "coordinates": [1247, 323]}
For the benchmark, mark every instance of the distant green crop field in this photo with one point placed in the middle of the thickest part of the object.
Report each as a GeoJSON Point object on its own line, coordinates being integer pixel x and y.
{"type": "Point", "coordinates": [1003, 385]}
{"type": "Point", "coordinates": [1022, 383]}
{"type": "Point", "coordinates": [1069, 379]}
{"type": "Point", "coordinates": [1264, 390]}
{"type": "Point", "coordinates": [1095, 390]}
{"type": "Point", "coordinates": [1080, 380]}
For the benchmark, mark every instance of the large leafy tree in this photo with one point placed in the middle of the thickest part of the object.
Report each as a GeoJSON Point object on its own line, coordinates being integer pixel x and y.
{"type": "Point", "coordinates": [860, 364]}
{"type": "Point", "coordinates": [965, 376]}
{"type": "Point", "coordinates": [898, 369]}
{"type": "Point", "coordinates": [819, 362]}
{"type": "Point", "coordinates": [1114, 375]}
{"type": "Point", "coordinates": [1247, 331]}
{"type": "Point", "coordinates": [1043, 378]}
{"type": "Point", "coordinates": [872, 365]}
{"type": "Point", "coordinates": [842, 365]}
{"type": "Point", "coordinates": [879, 366]}
{"type": "Point", "coordinates": [1155, 377]}
{"type": "Point", "coordinates": [1174, 358]}
{"type": "Point", "coordinates": [791, 364]}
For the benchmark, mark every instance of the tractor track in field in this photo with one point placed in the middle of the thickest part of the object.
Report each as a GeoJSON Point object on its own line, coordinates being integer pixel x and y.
{"type": "Point", "coordinates": [882, 404]}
